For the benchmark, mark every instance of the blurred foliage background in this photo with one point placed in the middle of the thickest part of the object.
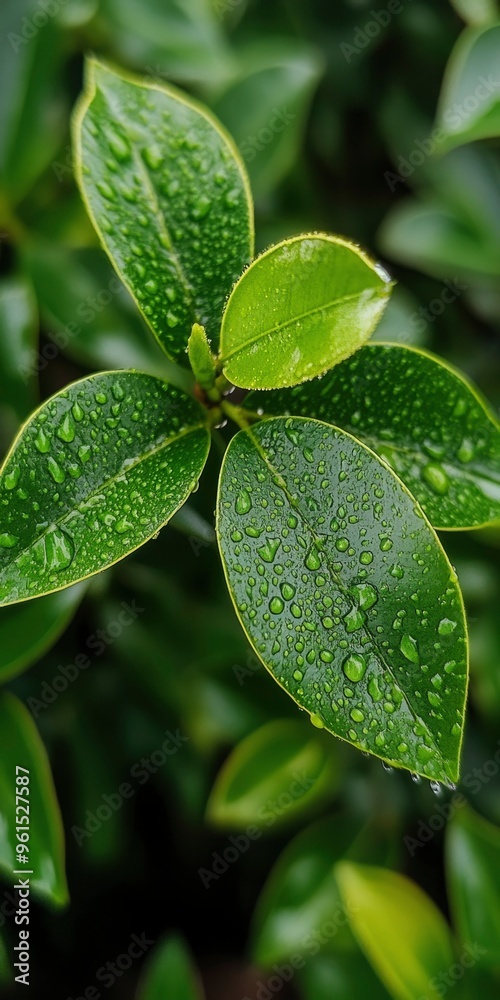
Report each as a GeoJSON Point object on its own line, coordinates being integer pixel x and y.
{"type": "Point", "coordinates": [346, 126]}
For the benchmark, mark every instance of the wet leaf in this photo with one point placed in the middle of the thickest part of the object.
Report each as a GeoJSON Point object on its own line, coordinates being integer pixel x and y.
{"type": "Point", "coordinates": [300, 308]}
{"type": "Point", "coordinates": [93, 474]}
{"type": "Point", "coordinates": [422, 417]}
{"type": "Point", "coordinates": [345, 592]}
{"type": "Point", "coordinates": [169, 198]}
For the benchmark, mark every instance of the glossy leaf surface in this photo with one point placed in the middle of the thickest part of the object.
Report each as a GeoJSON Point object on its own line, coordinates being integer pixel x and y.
{"type": "Point", "coordinates": [95, 472]}
{"type": "Point", "coordinates": [345, 592]}
{"type": "Point", "coordinates": [21, 746]}
{"type": "Point", "coordinates": [422, 417]}
{"type": "Point", "coordinates": [300, 308]}
{"type": "Point", "coordinates": [169, 198]}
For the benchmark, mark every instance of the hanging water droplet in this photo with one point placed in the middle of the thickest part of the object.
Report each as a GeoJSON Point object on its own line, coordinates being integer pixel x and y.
{"type": "Point", "coordinates": [316, 721]}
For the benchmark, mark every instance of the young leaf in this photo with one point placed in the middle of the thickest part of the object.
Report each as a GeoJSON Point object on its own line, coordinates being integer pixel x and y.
{"type": "Point", "coordinates": [170, 972]}
{"type": "Point", "coordinates": [469, 104]}
{"type": "Point", "coordinates": [93, 474]}
{"type": "Point", "coordinates": [28, 630]}
{"type": "Point", "coordinates": [21, 746]}
{"type": "Point", "coordinates": [473, 869]}
{"type": "Point", "coordinates": [167, 193]}
{"type": "Point", "coordinates": [344, 591]}
{"type": "Point", "coordinates": [300, 308]}
{"type": "Point", "coordinates": [301, 891]}
{"type": "Point", "coordinates": [421, 416]}
{"type": "Point", "coordinates": [276, 772]}
{"type": "Point", "coordinates": [400, 930]}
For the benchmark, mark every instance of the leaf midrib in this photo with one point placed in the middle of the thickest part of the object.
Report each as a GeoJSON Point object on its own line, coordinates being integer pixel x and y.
{"type": "Point", "coordinates": [336, 579]}
{"type": "Point", "coordinates": [279, 327]}
{"type": "Point", "coordinates": [116, 477]}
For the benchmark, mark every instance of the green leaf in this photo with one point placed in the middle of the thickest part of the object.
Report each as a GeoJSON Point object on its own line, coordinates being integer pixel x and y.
{"type": "Point", "coordinates": [94, 473]}
{"type": "Point", "coordinates": [169, 198]}
{"type": "Point", "coordinates": [21, 746]}
{"type": "Point", "coordinates": [473, 870]}
{"type": "Point", "coordinates": [170, 971]}
{"type": "Point", "coordinates": [343, 976]}
{"type": "Point", "coordinates": [18, 332]}
{"type": "Point", "coordinates": [28, 630]}
{"type": "Point", "coordinates": [400, 930]}
{"type": "Point", "coordinates": [469, 104]}
{"type": "Point", "coordinates": [421, 416]}
{"type": "Point", "coordinates": [90, 315]}
{"type": "Point", "coordinates": [345, 592]}
{"type": "Point", "coordinates": [300, 308]}
{"type": "Point", "coordinates": [265, 106]}
{"type": "Point", "coordinates": [301, 892]}
{"type": "Point", "coordinates": [277, 772]}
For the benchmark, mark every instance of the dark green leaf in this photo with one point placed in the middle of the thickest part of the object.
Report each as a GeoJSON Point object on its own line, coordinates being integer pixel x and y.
{"type": "Point", "coordinates": [341, 976]}
{"type": "Point", "coordinates": [473, 866]}
{"type": "Point", "coordinates": [21, 746]}
{"type": "Point", "coordinates": [168, 196]}
{"type": "Point", "coordinates": [28, 630]}
{"type": "Point", "coordinates": [170, 972]}
{"type": "Point", "coordinates": [399, 928]}
{"type": "Point", "coordinates": [421, 416]}
{"type": "Point", "coordinates": [345, 592]}
{"type": "Point", "coordinates": [301, 893]}
{"type": "Point", "coordinates": [95, 473]}
{"type": "Point", "coordinates": [276, 772]}
{"type": "Point", "coordinates": [469, 104]}
{"type": "Point", "coordinates": [300, 308]}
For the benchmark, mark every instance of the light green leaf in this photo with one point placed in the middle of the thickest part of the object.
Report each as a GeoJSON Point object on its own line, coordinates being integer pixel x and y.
{"type": "Point", "coordinates": [301, 893]}
{"type": "Point", "coordinates": [277, 772]}
{"type": "Point", "coordinates": [18, 332]}
{"type": "Point", "coordinates": [28, 630]}
{"type": "Point", "coordinates": [400, 930]}
{"type": "Point", "coordinates": [300, 308]}
{"type": "Point", "coordinates": [168, 195]}
{"type": "Point", "coordinates": [473, 869]}
{"type": "Point", "coordinates": [21, 746]}
{"type": "Point", "coordinates": [421, 416]}
{"type": "Point", "coordinates": [266, 104]}
{"type": "Point", "coordinates": [469, 104]}
{"type": "Point", "coordinates": [93, 474]}
{"type": "Point", "coordinates": [345, 592]}
{"type": "Point", "coordinates": [170, 972]}
{"type": "Point", "coordinates": [90, 314]}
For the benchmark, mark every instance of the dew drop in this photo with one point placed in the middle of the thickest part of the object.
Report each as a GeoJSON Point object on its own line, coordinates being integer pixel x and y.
{"type": "Point", "coordinates": [11, 478]}
{"type": "Point", "coordinates": [268, 551]}
{"type": "Point", "coordinates": [436, 478]}
{"type": "Point", "coordinates": [446, 626]}
{"type": "Point", "coordinates": [276, 606]}
{"type": "Point", "coordinates": [7, 541]}
{"type": "Point", "coordinates": [316, 721]}
{"type": "Point", "coordinates": [409, 648]}
{"type": "Point", "coordinates": [42, 442]}
{"type": "Point", "coordinates": [66, 431]}
{"type": "Point", "coordinates": [243, 502]}
{"type": "Point", "coordinates": [354, 667]}
{"type": "Point", "coordinates": [58, 474]}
